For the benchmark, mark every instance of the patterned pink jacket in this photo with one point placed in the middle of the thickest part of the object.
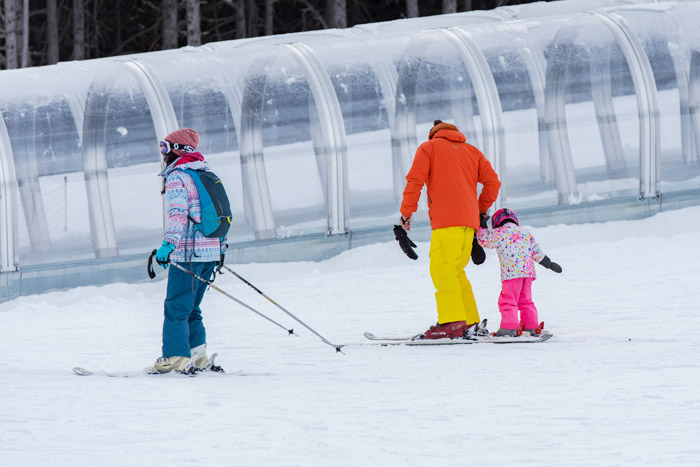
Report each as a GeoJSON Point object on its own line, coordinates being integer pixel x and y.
{"type": "Point", "coordinates": [183, 202]}
{"type": "Point", "coordinates": [517, 250]}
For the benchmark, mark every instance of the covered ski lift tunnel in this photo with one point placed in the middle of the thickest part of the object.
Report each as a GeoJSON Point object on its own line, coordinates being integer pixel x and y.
{"type": "Point", "coordinates": [588, 110]}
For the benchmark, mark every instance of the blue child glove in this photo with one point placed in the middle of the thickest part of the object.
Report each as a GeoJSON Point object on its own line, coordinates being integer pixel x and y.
{"type": "Point", "coordinates": [163, 254]}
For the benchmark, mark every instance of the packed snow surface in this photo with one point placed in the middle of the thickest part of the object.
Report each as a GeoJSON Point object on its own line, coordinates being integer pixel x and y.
{"type": "Point", "coordinates": [617, 385]}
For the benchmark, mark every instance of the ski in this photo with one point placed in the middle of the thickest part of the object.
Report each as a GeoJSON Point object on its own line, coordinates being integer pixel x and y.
{"type": "Point", "coordinates": [419, 341]}
{"type": "Point", "coordinates": [478, 330]}
{"type": "Point", "coordinates": [524, 339]}
{"type": "Point", "coordinates": [475, 334]}
{"type": "Point", "coordinates": [115, 374]}
{"type": "Point", "coordinates": [372, 337]}
{"type": "Point", "coordinates": [189, 370]}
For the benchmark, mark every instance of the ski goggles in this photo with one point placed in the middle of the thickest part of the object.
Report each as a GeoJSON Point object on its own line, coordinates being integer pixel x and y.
{"type": "Point", "coordinates": [167, 146]}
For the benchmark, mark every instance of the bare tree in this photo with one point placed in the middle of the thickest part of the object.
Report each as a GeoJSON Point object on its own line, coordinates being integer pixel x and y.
{"type": "Point", "coordinates": [269, 17]}
{"type": "Point", "coordinates": [2, 36]}
{"type": "Point", "coordinates": [449, 6]}
{"type": "Point", "coordinates": [78, 30]}
{"type": "Point", "coordinates": [412, 8]}
{"type": "Point", "coordinates": [26, 58]}
{"type": "Point", "coordinates": [308, 12]}
{"type": "Point", "coordinates": [52, 31]}
{"type": "Point", "coordinates": [240, 19]}
{"type": "Point", "coordinates": [337, 13]}
{"type": "Point", "coordinates": [11, 35]}
{"type": "Point", "coordinates": [194, 27]}
{"type": "Point", "coordinates": [169, 32]}
{"type": "Point", "coordinates": [118, 22]}
{"type": "Point", "coordinates": [251, 10]}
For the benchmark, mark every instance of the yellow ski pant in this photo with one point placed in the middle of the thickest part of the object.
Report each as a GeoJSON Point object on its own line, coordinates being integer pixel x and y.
{"type": "Point", "coordinates": [450, 250]}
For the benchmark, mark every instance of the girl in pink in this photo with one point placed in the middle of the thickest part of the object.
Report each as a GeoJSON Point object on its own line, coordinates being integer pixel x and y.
{"type": "Point", "coordinates": [518, 252]}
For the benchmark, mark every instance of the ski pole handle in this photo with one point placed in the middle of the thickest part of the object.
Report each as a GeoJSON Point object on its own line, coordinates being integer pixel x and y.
{"type": "Point", "coordinates": [149, 268]}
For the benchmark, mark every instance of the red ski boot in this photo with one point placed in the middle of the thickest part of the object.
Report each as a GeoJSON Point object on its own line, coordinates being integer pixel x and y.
{"type": "Point", "coordinates": [537, 331]}
{"type": "Point", "coordinates": [447, 330]}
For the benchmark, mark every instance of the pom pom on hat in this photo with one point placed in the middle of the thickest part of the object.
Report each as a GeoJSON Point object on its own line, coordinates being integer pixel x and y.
{"type": "Point", "coordinates": [437, 122]}
{"type": "Point", "coordinates": [186, 136]}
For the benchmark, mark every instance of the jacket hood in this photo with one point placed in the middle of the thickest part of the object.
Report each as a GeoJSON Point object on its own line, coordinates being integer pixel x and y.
{"type": "Point", "coordinates": [194, 160]}
{"type": "Point", "coordinates": [449, 134]}
{"type": "Point", "coordinates": [448, 131]}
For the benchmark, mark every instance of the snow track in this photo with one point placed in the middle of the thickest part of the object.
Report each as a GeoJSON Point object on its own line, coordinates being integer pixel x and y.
{"type": "Point", "coordinates": [617, 386]}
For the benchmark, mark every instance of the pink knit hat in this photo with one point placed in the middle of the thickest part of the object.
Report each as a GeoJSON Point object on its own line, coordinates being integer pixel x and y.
{"type": "Point", "coordinates": [186, 136]}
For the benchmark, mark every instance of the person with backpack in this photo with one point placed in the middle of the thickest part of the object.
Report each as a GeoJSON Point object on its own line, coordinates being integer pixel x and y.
{"type": "Point", "coordinates": [451, 169]}
{"type": "Point", "coordinates": [186, 242]}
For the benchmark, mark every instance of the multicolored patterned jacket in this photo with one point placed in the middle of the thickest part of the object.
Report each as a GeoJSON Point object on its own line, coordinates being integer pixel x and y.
{"type": "Point", "coordinates": [183, 203]}
{"type": "Point", "coordinates": [517, 250]}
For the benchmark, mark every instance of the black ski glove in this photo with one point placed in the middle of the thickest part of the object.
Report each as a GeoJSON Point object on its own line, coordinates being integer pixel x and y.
{"type": "Point", "coordinates": [483, 220]}
{"type": "Point", "coordinates": [549, 264]}
{"type": "Point", "coordinates": [478, 253]}
{"type": "Point", "coordinates": [405, 242]}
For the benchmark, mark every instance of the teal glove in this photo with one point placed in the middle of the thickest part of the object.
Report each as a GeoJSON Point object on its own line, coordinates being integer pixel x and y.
{"type": "Point", "coordinates": [163, 254]}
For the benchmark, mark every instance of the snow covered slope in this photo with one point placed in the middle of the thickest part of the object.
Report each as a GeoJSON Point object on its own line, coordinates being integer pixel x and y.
{"type": "Point", "coordinates": [617, 385]}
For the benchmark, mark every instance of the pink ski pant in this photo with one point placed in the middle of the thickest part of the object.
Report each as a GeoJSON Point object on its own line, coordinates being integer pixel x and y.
{"type": "Point", "coordinates": [516, 294]}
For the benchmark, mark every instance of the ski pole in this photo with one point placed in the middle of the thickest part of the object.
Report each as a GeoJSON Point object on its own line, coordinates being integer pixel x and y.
{"type": "Point", "coordinates": [325, 341]}
{"type": "Point", "coordinates": [152, 274]}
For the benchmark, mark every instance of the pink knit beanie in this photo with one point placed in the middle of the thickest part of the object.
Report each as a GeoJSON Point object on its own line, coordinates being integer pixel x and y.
{"type": "Point", "coordinates": [186, 136]}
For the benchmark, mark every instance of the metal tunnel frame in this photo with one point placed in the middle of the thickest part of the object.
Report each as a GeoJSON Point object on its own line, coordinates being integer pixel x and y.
{"type": "Point", "coordinates": [94, 151]}
{"type": "Point", "coordinates": [647, 101]}
{"type": "Point", "coordinates": [8, 184]}
{"type": "Point", "coordinates": [694, 95]}
{"type": "Point", "coordinates": [334, 148]}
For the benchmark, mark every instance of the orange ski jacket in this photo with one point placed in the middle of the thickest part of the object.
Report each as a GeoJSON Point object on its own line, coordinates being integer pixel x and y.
{"type": "Point", "coordinates": [451, 169]}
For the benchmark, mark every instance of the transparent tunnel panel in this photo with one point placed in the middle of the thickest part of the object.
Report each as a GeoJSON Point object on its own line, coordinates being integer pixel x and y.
{"type": "Point", "coordinates": [133, 162]}
{"type": "Point", "coordinates": [433, 84]}
{"type": "Point", "coordinates": [205, 96]}
{"type": "Point", "coordinates": [363, 78]}
{"type": "Point", "coordinates": [662, 29]}
{"type": "Point", "coordinates": [516, 62]}
{"type": "Point", "coordinates": [295, 162]}
{"type": "Point", "coordinates": [43, 117]}
{"type": "Point", "coordinates": [602, 106]}
{"type": "Point", "coordinates": [544, 9]}
{"type": "Point", "coordinates": [431, 22]}
{"type": "Point", "coordinates": [442, 87]}
{"type": "Point", "coordinates": [570, 112]}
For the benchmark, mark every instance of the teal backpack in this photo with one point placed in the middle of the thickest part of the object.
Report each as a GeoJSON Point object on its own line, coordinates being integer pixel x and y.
{"type": "Point", "coordinates": [216, 209]}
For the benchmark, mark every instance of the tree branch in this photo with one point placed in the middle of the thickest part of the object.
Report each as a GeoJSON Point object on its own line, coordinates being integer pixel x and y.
{"type": "Point", "coordinates": [309, 8]}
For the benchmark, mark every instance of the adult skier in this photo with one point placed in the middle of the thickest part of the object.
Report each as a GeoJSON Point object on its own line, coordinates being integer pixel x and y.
{"type": "Point", "coordinates": [451, 169]}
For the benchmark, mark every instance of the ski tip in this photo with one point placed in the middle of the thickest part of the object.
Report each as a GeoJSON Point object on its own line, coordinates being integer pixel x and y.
{"type": "Point", "coordinates": [81, 371]}
{"type": "Point", "coordinates": [544, 337]}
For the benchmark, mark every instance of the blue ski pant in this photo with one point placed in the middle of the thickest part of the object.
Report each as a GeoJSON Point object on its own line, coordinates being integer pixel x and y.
{"type": "Point", "coordinates": [182, 326]}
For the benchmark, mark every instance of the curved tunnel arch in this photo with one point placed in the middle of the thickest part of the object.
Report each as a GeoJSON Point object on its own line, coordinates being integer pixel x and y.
{"type": "Point", "coordinates": [555, 115]}
{"type": "Point", "coordinates": [647, 101]}
{"type": "Point", "coordinates": [102, 224]}
{"type": "Point", "coordinates": [332, 153]}
{"type": "Point", "coordinates": [250, 142]}
{"type": "Point", "coordinates": [694, 95]}
{"type": "Point", "coordinates": [8, 185]}
{"type": "Point", "coordinates": [489, 102]}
